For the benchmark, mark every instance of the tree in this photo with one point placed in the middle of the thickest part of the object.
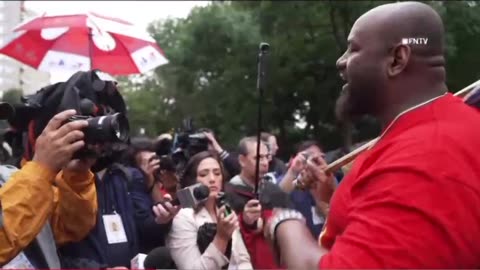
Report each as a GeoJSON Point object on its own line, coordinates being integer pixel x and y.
{"type": "Point", "coordinates": [12, 96]}
{"type": "Point", "coordinates": [212, 71]}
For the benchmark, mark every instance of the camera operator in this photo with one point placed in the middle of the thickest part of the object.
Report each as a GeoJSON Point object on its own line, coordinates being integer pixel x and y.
{"type": "Point", "coordinates": [50, 193]}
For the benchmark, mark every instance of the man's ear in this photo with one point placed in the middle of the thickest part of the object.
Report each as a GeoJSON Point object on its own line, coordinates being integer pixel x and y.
{"type": "Point", "coordinates": [241, 160]}
{"type": "Point", "coordinates": [399, 58]}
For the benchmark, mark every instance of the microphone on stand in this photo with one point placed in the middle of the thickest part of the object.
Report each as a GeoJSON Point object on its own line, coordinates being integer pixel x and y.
{"type": "Point", "coordinates": [261, 81]}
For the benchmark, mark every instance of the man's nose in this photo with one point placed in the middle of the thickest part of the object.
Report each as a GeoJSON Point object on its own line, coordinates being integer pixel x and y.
{"type": "Point", "coordinates": [341, 62]}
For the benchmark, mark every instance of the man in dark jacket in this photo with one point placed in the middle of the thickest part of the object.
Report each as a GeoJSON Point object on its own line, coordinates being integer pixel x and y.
{"type": "Point", "coordinates": [113, 241]}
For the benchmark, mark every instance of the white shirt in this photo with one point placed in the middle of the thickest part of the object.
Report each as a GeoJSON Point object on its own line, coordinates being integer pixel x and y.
{"type": "Point", "coordinates": [182, 242]}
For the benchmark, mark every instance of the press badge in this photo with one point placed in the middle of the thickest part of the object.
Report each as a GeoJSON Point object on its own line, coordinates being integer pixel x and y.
{"type": "Point", "coordinates": [114, 229]}
{"type": "Point", "coordinates": [19, 262]}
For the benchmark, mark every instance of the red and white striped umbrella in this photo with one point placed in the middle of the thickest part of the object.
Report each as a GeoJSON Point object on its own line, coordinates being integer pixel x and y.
{"type": "Point", "coordinates": [84, 42]}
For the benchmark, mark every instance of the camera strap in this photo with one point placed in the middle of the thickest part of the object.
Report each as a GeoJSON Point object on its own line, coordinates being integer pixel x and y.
{"type": "Point", "coordinates": [126, 173]}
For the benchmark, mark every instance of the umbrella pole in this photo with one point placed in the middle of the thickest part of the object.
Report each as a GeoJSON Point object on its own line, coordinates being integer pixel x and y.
{"type": "Point", "coordinates": [90, 47]}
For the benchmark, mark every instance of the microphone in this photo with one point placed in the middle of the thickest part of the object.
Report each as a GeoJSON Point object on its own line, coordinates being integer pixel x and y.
{"type": "Point", "coordinates": [191, 196]}
{"type": "Point", "coordinates": [159, 258]}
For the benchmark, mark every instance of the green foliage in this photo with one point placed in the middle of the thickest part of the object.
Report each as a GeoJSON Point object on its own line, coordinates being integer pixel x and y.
{"type": "Point", "coordinates": [12, 96]}
{"type": "Point", "coordinates": [212, 71]}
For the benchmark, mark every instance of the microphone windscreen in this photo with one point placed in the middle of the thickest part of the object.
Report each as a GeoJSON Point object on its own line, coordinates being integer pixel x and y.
{"type": "Point", "coordinates": [201, 192]}
{"type": "Point", "coordinates": [274, 197]}
{"type": "Point", "coordinates": [159, 258]}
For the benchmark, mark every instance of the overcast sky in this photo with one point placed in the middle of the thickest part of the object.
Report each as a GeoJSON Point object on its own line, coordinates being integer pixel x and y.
{"type": "Point", "coordinates": [140, 13]}
{"type": "Point", "coordinates": [137, 12]}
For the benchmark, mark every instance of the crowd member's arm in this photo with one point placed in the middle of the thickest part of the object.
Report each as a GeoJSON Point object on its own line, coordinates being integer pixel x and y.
{"type": "Point", "coordinates": [150, 232]}
{"type": "Point", "coordinates": [27, 203]}
{"type": "Point", "coordinates": [182, 242]}
{"type": "Point", "coordinates": [297, 165]}
{"type": "Point", "coordinates": [27, 199]}
{"type": "Point", "coordinates": [230, 161]}
{"type": "Point", "coordinates": [249, 221]}
{"type": "Point", "coordinates": [75, 203]}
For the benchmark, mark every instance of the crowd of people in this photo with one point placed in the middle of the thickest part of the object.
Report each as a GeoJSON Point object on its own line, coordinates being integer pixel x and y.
{"type": "Point", "coordinates": [78, 199]}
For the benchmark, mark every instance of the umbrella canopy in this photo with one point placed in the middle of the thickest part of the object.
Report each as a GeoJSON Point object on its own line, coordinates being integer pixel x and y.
{"type": "Point", "coordinates": [82, 42]}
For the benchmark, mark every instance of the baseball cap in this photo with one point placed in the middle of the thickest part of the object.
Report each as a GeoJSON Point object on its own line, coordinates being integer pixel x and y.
{"type": "Point", "coordinates": [6, 111]}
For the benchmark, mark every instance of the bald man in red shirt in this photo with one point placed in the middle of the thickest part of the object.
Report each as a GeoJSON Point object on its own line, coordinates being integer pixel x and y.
{"type": "Point", "coordinates": [413, 199]}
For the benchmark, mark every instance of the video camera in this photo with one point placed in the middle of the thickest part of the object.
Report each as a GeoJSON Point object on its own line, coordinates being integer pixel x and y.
{"type": "Point", "coordinates": [185, 143]}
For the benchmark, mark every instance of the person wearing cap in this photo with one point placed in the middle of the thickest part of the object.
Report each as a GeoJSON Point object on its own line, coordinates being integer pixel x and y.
{"type": "Point", "coordinates": [50, 201]}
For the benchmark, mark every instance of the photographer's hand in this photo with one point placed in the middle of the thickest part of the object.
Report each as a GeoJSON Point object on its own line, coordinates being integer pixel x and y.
{"type": "Point", "coordinates": [58, 142]}
{"type": "Point", "coordinates": [149, 165]}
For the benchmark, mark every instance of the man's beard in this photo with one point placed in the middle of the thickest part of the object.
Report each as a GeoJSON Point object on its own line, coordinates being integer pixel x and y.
{"type": "Point", "coordinates": [350, 107]}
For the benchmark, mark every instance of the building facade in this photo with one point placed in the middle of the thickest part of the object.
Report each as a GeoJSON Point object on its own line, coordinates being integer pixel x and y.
{"type": "Point", "coordinates": [13, 74]}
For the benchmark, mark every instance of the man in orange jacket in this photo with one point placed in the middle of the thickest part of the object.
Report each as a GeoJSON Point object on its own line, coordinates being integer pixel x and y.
{"type": "Point", "coordinates": [50, 195]}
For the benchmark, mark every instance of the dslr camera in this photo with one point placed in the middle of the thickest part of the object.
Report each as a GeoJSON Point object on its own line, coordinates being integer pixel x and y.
{"type": "Point", "coordinates": [96, 100]}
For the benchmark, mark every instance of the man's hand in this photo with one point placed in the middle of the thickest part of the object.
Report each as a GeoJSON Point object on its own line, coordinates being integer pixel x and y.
{"type": "Point", "coordinates": [298, 163]}
{"type": "Point", "coordinates": [165, 212]}
{"type": "Point", "coordinates": [252, 212]}
{"type": "Point", "coordinates": [322, 183]}
{"type": "Point", "coordinates": [149, 165]}
{"type": "Point", "coordinates": [58, 142]}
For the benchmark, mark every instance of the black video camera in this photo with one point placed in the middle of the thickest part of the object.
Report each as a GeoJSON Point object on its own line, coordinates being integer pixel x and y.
{"type": "Point", "coordinates": [187, 142]}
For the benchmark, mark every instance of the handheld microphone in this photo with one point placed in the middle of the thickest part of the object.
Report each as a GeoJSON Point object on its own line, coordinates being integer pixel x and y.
{"type": "Point", "coordinates": [158, 258]}
{"type": "Point", "coordinates": [191, 196]}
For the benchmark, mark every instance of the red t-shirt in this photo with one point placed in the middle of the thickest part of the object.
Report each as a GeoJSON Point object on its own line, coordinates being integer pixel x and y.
{"type": "Point", "coordinates": [413, 200]}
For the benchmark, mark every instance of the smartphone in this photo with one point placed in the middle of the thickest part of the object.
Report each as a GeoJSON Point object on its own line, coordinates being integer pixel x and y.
{"type": "Point", "coordinates": [221, 201]}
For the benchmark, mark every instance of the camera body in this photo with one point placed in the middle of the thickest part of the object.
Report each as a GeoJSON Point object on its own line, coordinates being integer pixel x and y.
{"type": "Point", "coordinates": [195, 142]}
{"type": "Point", "coordinates": [187, 142]}
{"type": "Point", "coordinates": [104, 129]}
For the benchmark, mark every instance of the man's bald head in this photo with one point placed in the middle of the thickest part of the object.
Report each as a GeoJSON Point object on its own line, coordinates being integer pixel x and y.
{"type": "Point", "coordinates": [397, 21]}
{"type": "Point", "coordinates": [385, 74]}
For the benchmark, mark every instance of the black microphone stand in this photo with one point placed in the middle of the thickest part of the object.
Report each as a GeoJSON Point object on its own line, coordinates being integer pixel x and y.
{"type": "Point", "coordinates": [261, 78]}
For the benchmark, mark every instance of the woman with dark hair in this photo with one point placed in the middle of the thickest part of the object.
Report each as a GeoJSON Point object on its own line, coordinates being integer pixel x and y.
{"type": "Point", "coordinates": [205, 237]}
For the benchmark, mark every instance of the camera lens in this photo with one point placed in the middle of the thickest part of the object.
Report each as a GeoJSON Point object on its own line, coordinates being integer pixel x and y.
{"type": "Point", "coordinates": [120, 127]}
{"type": "Point", "coordinates": [109, 128]}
